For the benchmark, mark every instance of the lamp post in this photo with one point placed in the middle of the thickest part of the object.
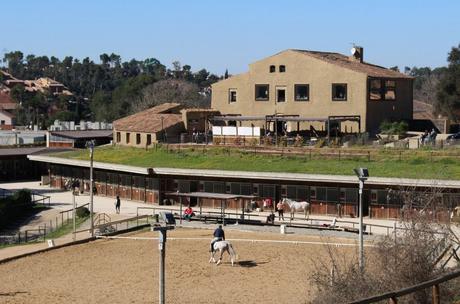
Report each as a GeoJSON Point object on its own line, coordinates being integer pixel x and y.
{"type": "Point", "coordinates": [91, 153]}
{"type": "Point", "coordinates": [169, 222]}
{"type": "Point", "coordinates": [363, 175]}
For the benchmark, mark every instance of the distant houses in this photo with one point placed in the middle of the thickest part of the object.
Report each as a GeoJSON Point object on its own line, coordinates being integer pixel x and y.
{"type": "Point", "coordinates": [8, 105]}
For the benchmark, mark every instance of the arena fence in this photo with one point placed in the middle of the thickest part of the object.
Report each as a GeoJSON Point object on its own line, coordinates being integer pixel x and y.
{"type": "Point", "coordinates": [392, 297]}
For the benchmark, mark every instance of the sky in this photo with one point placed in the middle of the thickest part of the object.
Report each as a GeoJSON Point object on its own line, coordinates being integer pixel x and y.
{"type": "Point", "coordinates": [220, 35]}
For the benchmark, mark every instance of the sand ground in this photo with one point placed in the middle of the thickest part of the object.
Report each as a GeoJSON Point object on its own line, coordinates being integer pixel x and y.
{"type": "Point", "coordinates": [126, 271]}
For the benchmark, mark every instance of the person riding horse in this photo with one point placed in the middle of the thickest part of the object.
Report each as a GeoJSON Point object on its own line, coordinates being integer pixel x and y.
{"type": "Point", "coordinates": [219, 235]}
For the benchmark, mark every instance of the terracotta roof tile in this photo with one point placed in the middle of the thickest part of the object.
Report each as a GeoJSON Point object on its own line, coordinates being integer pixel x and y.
{"type": "Point", "coordinates": [6, 102]}
{"type": "Point", "coordinates": [150, 120]}
{"type": "Point", "coordinates": [341, 60]}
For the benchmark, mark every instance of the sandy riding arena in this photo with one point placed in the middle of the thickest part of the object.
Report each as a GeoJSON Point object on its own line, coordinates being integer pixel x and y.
{"type": "Point", "coordinates": [126, 270]}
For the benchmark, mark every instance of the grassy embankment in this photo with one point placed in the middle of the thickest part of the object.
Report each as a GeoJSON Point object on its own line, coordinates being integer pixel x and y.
{"type": "Point", "coordinates": [383, 163]}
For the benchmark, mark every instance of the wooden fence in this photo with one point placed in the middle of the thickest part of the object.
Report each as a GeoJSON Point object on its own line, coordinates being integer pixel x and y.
{"type": "Point", "coordinates": [393, 296]}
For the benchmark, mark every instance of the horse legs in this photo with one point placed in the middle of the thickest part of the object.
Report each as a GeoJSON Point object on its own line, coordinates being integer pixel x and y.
{"type": "Point", "coordinates": [220, 258]}
{"type": "Point", "coordinates": [212, 257]}
{"type": "Point", "coordinates": [231, 255]}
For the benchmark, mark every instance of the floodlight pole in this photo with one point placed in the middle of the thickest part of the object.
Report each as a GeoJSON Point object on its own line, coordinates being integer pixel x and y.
{"type": "Point", "coordinates": [91, 153]}
{"type": "Point", "coordinates": [361, 246]}
{"type": "Point", "coordinates": [162, 248]}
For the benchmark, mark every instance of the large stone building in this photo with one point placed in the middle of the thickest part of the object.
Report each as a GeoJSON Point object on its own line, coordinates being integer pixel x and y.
{"type": "Point", "coordinates": [298, 89]}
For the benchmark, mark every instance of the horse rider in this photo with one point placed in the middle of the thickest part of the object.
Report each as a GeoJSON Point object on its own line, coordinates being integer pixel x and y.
{"type": "Point", "coordinates": [219, 235]}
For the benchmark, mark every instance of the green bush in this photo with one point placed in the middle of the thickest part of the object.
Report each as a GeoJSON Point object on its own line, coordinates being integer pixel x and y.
{"type": "Point", "coordinates": [394, 128]}
{"type": "Point", "coordinates": [82, 212]}
{"type": "Point", "coordinates": [23, 196]}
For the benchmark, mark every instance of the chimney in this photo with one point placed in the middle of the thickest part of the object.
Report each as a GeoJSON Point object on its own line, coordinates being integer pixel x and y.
{"type": "Point", "coordinates": [357, 54]}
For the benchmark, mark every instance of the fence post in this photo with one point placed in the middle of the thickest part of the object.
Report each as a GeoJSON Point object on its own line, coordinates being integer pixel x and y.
{"type": "Point", "coordinates": [19, 237]}
{"type": "Point", "coordinates": [44, 234]}
{"type": "Point", "coordinates": [25, 236]}
{"type": "Point", "coordinates": [436, 297]}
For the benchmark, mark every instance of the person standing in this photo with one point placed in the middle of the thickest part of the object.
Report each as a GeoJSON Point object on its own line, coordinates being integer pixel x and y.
{"type": "Point", "coordinates": [219, 235]}
{"type": "Point", "coordinates": [280, 208]}
{"type": "Point", "coordinates": [117, 205]}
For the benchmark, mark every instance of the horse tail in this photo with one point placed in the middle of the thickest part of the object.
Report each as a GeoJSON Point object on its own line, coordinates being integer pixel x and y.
{"type": "Point", "coordinates": [232, 251]}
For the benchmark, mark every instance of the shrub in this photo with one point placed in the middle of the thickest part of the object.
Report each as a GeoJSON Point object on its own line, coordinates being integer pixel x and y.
{"type": "Point", "coordinates": [320, 143]}
{"type": "Point", "coordinates": [23, 196]}
{"type": "Point", "coordinates": [267, 140]}
{"type": "Point", "coordinates": [14, 206]}
{"type": "Point", "coordinates": [394, 128]}
{"type": "Point", "coordinates": [253, 142]}
{"type": "Point", "coordinates": [396, 262]}
{"type": "Point", "coordinates": [238, 140]}
{"type": "Point", "coordinates": [283, 141]}
{"type": "Point", "coordinates": [82, 212]}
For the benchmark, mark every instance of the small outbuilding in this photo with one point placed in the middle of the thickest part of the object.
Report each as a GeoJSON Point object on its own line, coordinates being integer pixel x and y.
{"type": "Point", "coordinates": [168, 122]}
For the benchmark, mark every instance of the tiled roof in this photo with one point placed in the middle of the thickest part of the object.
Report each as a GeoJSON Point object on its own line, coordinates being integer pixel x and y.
{"type": "Point", "coordinates": [151, 120]}
{"type": "Point", "coordinates": [6, 102]}
{"type": "Point", "coordinates": [343, 61]}
{"type": "Point", "coordinates": [83, 134]}
{"type": "Point", "coordinates": [164, 108]}
{"type": "Point", "coordinates": [423, 110]}
{"type": "Point", "coordinates": [6, 113]}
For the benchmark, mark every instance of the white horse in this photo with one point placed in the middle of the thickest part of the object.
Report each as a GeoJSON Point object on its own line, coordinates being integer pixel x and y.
{"type": "Point", "coordinates": [295, 206]}
{"type": "Point", "coordinates": [223, 246]}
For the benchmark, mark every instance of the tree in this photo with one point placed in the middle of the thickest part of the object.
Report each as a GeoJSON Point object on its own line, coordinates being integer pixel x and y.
{"type": "Point", "coordinates": [425, 83]}
{"type": "Point", "coordinates": [448, 92]}
{"type": "Point", "coordinates": [170, 90]}
{"type": "Point", "coordinates": [14, 61]}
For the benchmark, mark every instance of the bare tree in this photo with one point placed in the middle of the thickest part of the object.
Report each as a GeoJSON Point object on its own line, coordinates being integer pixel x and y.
{"type": "Point", "coordinates": [410, 256]}
{"type": "Point", "coordinates": [171, 90]}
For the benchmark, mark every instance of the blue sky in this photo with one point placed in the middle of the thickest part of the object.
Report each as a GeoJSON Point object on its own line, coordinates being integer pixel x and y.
{"type": "Point", "coordinates": [231, 34]}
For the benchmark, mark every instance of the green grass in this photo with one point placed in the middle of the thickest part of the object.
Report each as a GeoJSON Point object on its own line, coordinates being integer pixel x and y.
{"type": "Point", "coordinates": [384, 163]}
{"type": "Point", "coordinates": [66, 228]}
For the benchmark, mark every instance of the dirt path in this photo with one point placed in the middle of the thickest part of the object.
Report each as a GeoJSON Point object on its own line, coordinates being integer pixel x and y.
{"type": "Point", "coordinates": [126, 271]}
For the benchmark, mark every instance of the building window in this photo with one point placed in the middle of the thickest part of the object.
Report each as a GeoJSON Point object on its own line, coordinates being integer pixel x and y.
{"type": "Point", "coordinates": [138, 139]}
{"type": "Point", "coordinates": [2, 122]}
{"type": "Point", "coordinates": [272, 69]}
{"type": "Point", "coordinates": [280, 94]}
{"type": "Point", "coordinates": [282, 68]}
{"type": "Point", "coordinates": [118, 137]}
{"type": "Point", "coordinates": [232, 95]}
{"type": "Point", "coordinates": [380, 89]}
{"type": "Point", "coordinates": [375, 89]}
{"type": "Point", "coordinates": [302, 92]}
{"type": "Point", "coordinates": [127, 137]}
{"type": "Point", "coordinates": [339, 91]}
{"type": "Point", "coordinates": [262, 92]}
{"type": "Point", "coordinates": [390, 90]}
{"type": "Point", "coordinates": [149, 139]}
